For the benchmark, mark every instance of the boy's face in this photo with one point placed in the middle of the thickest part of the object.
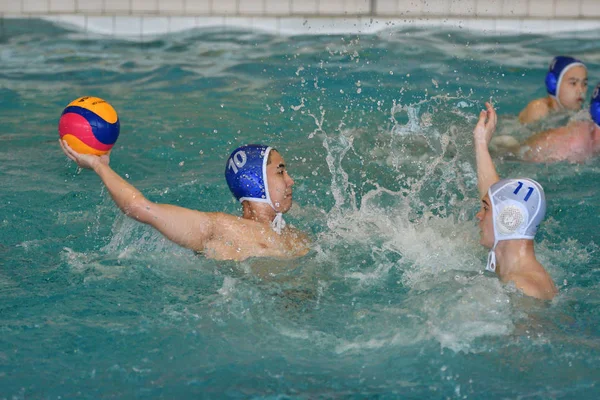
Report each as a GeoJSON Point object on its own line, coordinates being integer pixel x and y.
{"type": "Point", "coordinates": [573, 88]}
{"type": "Point", "coordinates": [280, 183]}
{"type": "Point", "coordinates": [486, 225]}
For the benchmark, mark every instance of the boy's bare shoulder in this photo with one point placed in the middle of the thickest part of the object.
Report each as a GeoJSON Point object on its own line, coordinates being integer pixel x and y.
{"type": "Point", "coordinates": [538, 285]}
{"type": "Point", "coordinates": [535, 110]}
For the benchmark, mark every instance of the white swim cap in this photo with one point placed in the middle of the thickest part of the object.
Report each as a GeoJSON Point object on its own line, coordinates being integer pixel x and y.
{"type": "Point", "coordinates": [518, 208]}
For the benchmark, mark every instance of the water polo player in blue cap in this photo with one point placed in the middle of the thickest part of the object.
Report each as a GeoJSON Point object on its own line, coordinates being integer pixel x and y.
{"type": "Point", "coordinates": [575, 142]}
{"type": "Point", "coordinates": [257, 176]}
{"type": "Point", "coordinates": [511, 212]}
{"type": "Point", "coordinates": [246, 173]}
{"type": "Point", "coordinates": [566, 84]}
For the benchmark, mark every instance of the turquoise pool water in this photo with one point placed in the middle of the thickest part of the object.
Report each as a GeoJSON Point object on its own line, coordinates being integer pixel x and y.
{"type": "Point", "coordinates": [390, 303]}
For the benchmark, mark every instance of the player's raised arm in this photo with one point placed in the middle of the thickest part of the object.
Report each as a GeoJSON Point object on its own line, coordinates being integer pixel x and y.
{"type": "Point", "coordinates": [482, 134]}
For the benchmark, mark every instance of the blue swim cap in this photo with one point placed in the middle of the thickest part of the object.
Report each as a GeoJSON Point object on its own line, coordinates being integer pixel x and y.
{"type": "Point", "coordinates": [558, 68]}
{"type": "Point", "coordinates": [246, 173]}
{"type": "Point", "coordinates": [595, 106]}
{"type": "Point", "coordinates": [518, 208]}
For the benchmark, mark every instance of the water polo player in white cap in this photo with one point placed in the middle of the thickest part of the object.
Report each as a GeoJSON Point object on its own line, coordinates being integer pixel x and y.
{"type": "Point", "coordinates": [511, 212]}
{"type": "Point", "coordinates": [257, 177]}
{"type": "Point", "coordinates": [566, 84]}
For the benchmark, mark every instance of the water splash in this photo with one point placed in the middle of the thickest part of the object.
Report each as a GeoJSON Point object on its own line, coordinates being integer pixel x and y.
{"type": "Point", "coordinates": [421, 231]}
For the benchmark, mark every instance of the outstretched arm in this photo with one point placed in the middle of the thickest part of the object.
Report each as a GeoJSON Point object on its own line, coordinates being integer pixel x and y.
{"type": "Point", "coordinates": [188, 228]}
{"type": "Point", "coordinates": [482, 134]}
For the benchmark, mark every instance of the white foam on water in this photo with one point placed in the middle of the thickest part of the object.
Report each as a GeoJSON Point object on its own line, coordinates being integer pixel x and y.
{"type": "Point", "coordinates": [442, 266]}
{"type": "Point", "coordinates": [131, 240]}
{"type": "Point", "coordinates": [458, 316]}
{"type": "Point", "coordinates": [439, 256]}
{"type": "Point", "coordinates": [131, 244]}
{"type": "Point", "coordinates": [91, 266]}
{"type": "Point", "coordinates": [228, 286]}
{"type": "Point", "coordinates": [175, 312]}
{"type": "Point", "coordinates": [397, 339]}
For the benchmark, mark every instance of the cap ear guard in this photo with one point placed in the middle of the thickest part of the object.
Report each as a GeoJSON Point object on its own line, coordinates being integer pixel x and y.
{"type": "Point", "coordinates": [510, 218]}
{"type": "Point", "coordinates": [551, 83]}
{"type": "Point", "coordinates": [595, 105]}
{"type": "Point", "coordinates": [552, 78]}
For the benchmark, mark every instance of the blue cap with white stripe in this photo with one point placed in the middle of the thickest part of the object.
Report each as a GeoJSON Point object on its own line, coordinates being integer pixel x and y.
{"type": "Point", "coordinates": [558, 68]}
{"type": "Point", "coordinates": [246, 175]}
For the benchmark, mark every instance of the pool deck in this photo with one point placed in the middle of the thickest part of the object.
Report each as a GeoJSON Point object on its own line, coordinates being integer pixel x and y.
{"type": "Point", "coordinates": [139, 18]}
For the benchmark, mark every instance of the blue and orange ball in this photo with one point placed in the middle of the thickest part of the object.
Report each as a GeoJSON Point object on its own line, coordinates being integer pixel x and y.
{"type": "Point", "coordinates": [89, 125]}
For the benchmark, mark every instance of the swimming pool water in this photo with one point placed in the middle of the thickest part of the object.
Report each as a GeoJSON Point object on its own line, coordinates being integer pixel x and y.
{"type": "Point", "coordinates": [391, 302]}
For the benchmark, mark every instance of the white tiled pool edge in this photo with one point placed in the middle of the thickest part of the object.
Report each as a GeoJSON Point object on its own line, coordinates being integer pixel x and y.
{"type": "Point", "coordinates": [140, 26]}
{"type": "Point", "coordinates": [302, 8]}
{"type": "Point", "coordinates": [139, 18]}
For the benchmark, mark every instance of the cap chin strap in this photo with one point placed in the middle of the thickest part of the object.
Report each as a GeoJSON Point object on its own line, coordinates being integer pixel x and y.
{"type": "Point", "coordinates": [491, 261]}
{"type": "Point", "coordinates": [278, 222]}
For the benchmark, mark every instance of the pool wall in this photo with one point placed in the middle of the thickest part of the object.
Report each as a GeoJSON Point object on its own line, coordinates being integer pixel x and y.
{"type": "Point", "coordinates": [138, 18]}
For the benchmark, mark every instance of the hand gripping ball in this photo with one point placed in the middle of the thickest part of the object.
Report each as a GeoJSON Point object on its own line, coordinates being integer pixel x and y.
{"type": "Point", "coordinates": [89, 125]}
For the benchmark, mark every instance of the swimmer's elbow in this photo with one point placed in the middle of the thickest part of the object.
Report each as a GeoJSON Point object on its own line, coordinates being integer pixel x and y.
{"type": "Point", "coordinates": [139, 209]}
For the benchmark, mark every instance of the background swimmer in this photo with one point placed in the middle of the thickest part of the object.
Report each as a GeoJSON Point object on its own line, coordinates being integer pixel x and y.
{"type": "Point", "coordinates": [511, 212]}
{"type": "Point", "coordinates": [257, 176]}
{"type": "Point", "coordinates": [576, 142]}
{"type": "Point", "coordinates": [566, 83]}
